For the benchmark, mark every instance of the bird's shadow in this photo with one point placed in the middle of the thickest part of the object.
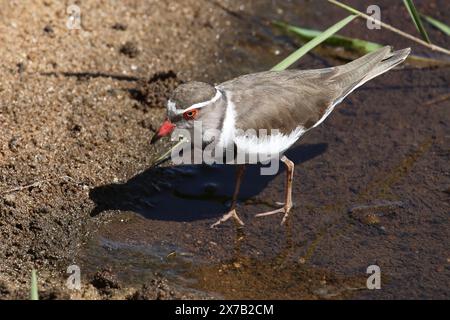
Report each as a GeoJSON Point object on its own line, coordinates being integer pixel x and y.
{"type": "Point", "coordinates": [188, 192]}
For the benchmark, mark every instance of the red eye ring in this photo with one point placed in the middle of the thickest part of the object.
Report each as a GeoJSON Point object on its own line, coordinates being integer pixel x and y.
{"type": "Point", "coordinates": [190, 114]}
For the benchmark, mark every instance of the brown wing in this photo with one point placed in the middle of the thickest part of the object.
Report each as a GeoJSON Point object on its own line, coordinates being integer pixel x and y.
{"type": "Point", "coordinates": [281, 100]}
{"type": "Point", "coordinates": [286, 99]}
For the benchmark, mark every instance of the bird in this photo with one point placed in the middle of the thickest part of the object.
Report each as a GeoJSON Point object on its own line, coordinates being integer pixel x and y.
{"type": "Point", "coordinates": [286, 104]}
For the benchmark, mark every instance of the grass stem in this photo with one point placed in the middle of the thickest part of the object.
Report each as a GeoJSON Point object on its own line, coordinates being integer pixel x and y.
{"type": "Point", "coordinates": [391, 28]}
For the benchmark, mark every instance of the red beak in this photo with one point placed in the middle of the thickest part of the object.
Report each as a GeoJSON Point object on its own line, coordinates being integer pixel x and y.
{"type": "Point", "coordinates": [165, 129]}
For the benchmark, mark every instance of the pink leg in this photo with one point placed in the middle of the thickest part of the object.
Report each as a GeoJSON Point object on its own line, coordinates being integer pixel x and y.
{"type": "Point", "coordinates": [232, 213]}
{"type": "Point", "coordinates": [288, 195]}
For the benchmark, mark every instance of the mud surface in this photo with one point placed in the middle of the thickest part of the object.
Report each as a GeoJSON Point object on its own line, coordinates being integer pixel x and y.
{"type": "Point", "coordinates": [78, 109]}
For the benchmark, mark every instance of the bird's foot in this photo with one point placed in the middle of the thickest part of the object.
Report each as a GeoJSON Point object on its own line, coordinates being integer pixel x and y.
{"type": "Point", "coordinates": [285, 209]}
{"type": "Point", "coordinates": [226, 216]}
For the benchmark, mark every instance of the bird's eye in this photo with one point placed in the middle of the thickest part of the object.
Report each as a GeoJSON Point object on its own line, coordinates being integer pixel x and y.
{"type": "Point", "coordinates": [191, 114]}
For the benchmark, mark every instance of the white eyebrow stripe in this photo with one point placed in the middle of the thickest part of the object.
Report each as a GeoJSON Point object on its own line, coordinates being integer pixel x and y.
{"type": "Point", "coordinates": [171, 106]}
{"type": "Point", "coordinates": [205, 103]}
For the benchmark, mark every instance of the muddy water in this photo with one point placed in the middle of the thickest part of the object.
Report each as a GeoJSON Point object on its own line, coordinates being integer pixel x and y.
{"type": "Point", "coordinates": [195, 193]}
{"type": "Point", "coordinates": [159, 219]}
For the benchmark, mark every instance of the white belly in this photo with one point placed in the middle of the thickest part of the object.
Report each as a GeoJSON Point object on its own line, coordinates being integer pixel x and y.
{"type": "Point", "coordinates": [274, 143]}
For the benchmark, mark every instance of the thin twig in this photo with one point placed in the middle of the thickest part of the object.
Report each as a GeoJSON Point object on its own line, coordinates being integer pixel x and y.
{"type": "Point", "coordinates": [438, 99]}
{"type": "Point", "coordinates": [391, 28]}
{"type": "Point", "coordinates": [36, 184]}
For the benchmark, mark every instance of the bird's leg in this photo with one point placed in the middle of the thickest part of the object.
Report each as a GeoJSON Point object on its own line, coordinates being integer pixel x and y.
{"type": "Point", "coordinates": [232, 213]}
{"type": "Point", "coordinates": [288, 195]}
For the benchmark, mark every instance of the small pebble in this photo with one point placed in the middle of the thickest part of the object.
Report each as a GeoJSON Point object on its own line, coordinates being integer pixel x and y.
{"type": "Point", "coordinates": [9, 199]}
{"type": "Point", "coordinates": [21, 67]}
{"type": "Point", "coordinates": [119, 26]}
{"type": "Point", "coordinates": [13, 144]}
{"type": "Point", "coordinates": [48, 29]}
{"type": "Point", "coordinates": [129, 49]}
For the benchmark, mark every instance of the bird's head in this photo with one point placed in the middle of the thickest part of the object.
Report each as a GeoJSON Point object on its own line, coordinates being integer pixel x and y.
{"type": "Point", "coordinates": [193, 102]}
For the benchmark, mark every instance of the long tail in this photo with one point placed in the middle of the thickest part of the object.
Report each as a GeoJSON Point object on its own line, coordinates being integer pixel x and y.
{"type": "Point", "coordinates": [356, 73]}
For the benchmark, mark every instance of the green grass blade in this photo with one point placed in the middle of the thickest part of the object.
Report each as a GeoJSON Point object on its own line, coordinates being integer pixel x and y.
{"type": "Point", "coordinates": [391, 28]}
{"type": "Point", "coordinates": [437, 24]}
{"type": "Point", "coordinates": [353, 44]}
{"type": "Point", "coordinates": [415, 16]}
{"type": "Point", "coordinates": [292, 58]}
{"type": "Point", "coordinates": [34, 288]}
